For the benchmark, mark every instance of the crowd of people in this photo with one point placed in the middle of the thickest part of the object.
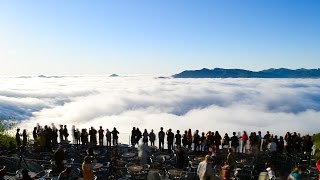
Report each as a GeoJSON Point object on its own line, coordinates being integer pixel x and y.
{"type": "Point", "coordinates": [252, 143]}
{"type": "Point", "coordinates": [210, 142]}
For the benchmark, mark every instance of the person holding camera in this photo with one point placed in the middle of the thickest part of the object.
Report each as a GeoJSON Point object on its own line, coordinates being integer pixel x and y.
{"type": "Point", "coordinates": [87, 167]}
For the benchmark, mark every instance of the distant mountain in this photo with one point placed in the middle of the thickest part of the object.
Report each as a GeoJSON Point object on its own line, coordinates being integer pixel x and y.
{"type": "Point", "coordinates": [242, 73]}
{"type": "Point", "coordinates": [114, 75]}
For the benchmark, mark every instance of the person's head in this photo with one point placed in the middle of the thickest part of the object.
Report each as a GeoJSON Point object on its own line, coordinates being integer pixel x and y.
{"type": "Point", "coordinates": [207, 158]}
{"type": "Point", "coordinates": [178, 131]}
{"type": "Point", "coordinates": [134, 128]}
{"type": "Point", "coordinates": [100, 127]}
{"type": "Point", "coordinates": [151, 130]}
{"type": "Point", "coordinates": [18, 130]}
{"type": "Point", "coordinates": [161, 128]}
{"type": "Point", "coordinates": [35, 128]}
{"type": "Point", "coordinates": [114, 128]}
{"type": "Point", "coordinates": [234, 133]}
{"type": "Point", "coordinates": [88, 159]}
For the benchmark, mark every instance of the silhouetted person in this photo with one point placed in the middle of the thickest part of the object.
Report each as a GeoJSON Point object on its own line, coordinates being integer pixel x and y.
{"type": "Point", "coordinates": [138, 135]}
{"type": "Point", "coordinates": [101, 136]}
{"type": "Point", "coordinates": [65, 132]}
{"type": "Point", "coordinates": [152, 137]}
{"type": "Point", "coordinates": [34, 134]}
{"type": "Point", "coordinates": [24, 137]}
{"type": "Point", "coordinates": [178, 139]}
{"type": "Point", "coordinates": [108, 136]}
{"type": "Point", "coordinates": [196, 140]}
{"type": "Point", "coordinates": [18, 139]}
{"type": "Point", "coordinates": [61, 133]}
{"type": "Point", "coordinates": [170, 138]}
{"type": "Point", "coordinates": [161, 135]}
{"type": "Point", "coordinates": [145, 136]}
{"type": "Point", "coordinates": [59, 157]}
{"type": "Point", "coordinates": [25, 175]}
{"type": "Point", "coordinates": [115, 136]}
{"type": "Point", "coordinates": [235, 142]}
{"type": "Point", "coordinates": [133, 136]}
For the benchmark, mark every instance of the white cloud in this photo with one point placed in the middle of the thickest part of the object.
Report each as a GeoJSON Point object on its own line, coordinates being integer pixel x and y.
{"type": "Point", "coordinates": [227, 105]}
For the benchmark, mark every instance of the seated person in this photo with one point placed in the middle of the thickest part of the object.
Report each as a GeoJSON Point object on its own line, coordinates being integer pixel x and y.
{"type": "Point", "coordinates": [59, 157]}
{"type": "Point", "coordinates": [25, 175]}
{"type": "Point", "coordinates": [87, 167]}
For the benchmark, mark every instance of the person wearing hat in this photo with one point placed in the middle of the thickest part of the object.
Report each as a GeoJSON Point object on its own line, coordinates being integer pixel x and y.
{"type": "Point", "coordinates": [205, 170]}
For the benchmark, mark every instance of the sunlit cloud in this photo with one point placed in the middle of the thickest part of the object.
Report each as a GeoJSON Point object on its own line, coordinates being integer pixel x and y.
{"type": "Point", "coordinates": [227, 105]}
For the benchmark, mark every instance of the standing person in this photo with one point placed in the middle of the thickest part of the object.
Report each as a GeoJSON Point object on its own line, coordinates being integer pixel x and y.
{"type": "Point", "coordinates": [189, 139]}
{"type": "Point", "coordinates": [202, 141]}
{"type": "Point", "coordinates": [54, 134]}
{"type": "Point", "coordinates": [61, 133]}
{"type": "Point", "coordinates": [196, 140]}
{"type": "Point", "coordinates": [234, 142]}
{"type": "Point", "coordinates": [77, 136]}
{"type": "Point", "coordinates": [217, 140]}
{"type": "Point", "coordinates": [138, 136]}
{"type": "Point", "coordinates": [225, 142]}
{"type": "Point", "coordinates": [65, 133]}
{"type": "Point", "coordinates": [24, 137]}
{"type": "Point", "coordinates": [133, 136]}
{"type": "Point", "coordinates": [93, 136]}
{"type": "Point", "coordinates": [185, 139]}
{"type": "Point", "coordinates": [161, 135]}
{"type": "Point", "coordinates": [145, 136]}
{"type": "Point", "coordinates": [115, 136]}
{"type": "Point", "coordinates": [73, 133]}
{"type": "Point", "coordinates": [205, 170]}
{"type": "Point", "coordinates": [178, 139]}
{"type": "Point", "coordinates": [108, 136]}
{"type": "Point", "coordinates": [18, 139]}
{"type": "Point", "coordinates": [170, 138]}
{"type": "Point", "coordinates": [259, 140]}
{"type": "Point", "coordinates": [34, 134]}
{"type": "Point", "coordinates": [152, 137]}
{"type": "Point", "coordinates": [244, 139]}
{"type": "Point", "coordinates": [101, 135]}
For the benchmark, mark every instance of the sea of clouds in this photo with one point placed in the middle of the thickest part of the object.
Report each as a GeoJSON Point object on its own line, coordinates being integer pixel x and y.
{"type": "Point", "coordinates": [227, 105]}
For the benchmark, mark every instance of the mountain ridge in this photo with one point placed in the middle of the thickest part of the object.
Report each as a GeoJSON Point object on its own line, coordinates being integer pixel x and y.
{"type": "Point", "coordinates": [243, 73]}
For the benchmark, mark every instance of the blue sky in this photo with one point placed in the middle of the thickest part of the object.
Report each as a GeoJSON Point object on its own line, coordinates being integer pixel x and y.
{"type": "Point", "coordinates": [157, 37]}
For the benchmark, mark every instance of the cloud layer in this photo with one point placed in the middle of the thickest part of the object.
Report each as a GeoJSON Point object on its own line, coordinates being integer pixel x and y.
{"type": "Point", "coordinates": [227, 105]}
